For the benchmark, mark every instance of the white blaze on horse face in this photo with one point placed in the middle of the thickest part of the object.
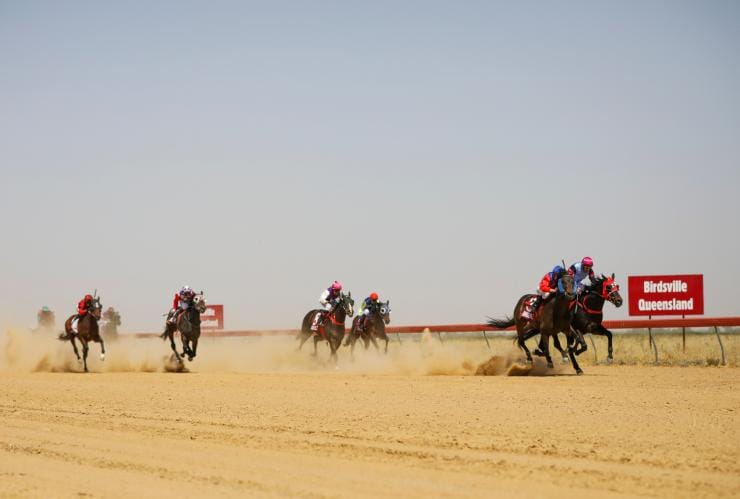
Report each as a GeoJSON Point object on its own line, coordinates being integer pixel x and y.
{"type": "Point", "coordinates": [102, 356]}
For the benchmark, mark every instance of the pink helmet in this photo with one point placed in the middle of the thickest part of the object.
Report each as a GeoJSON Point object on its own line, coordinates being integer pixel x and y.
{"type": "Point", "coordinates": [336, 286]}
{"type": "Point", "coordinates": [587, 260]}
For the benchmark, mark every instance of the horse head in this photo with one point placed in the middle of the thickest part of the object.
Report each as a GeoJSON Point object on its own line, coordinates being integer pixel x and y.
{"type": "Point", "coordinates": [610, 290]}
{"type": "Point", "coordinates": [96, 308]}
{"type": "Point", "coordinates": [347, 304]}
{"type": "Point", "coordinates": [385, 311]}
{"type": "Point", "coordinates": [199, 303]}
{"type": "Point", "coordinates": [566, 286]}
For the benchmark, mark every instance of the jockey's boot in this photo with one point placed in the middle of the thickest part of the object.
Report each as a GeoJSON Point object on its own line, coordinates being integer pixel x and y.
{"type": "Point", "coordinates": [361, 323]}
{"type": "Point", "coordinates": [317, 321]}
{"type": "Point", "coordinates": [171, 317]}
{"type": "Point", "coordinates": [535, 305]}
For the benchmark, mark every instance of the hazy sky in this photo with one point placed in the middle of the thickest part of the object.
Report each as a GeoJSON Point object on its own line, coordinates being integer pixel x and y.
{"type": "Point", "coordinates": [444, 154]}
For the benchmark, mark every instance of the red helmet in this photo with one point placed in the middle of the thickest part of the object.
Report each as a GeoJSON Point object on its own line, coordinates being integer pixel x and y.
{"type": "Point", "coordinates": [88, 297]}
{"type": "Point", "coordinates": [336, 286]}
{"type": "Point", "coordinates": [374, 296]}
{"type": "Point", "coordinates": [587, 260]}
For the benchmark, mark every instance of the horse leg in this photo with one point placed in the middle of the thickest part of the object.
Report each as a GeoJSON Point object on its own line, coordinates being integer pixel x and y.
{"type": "Point", "coordinates": [608, 334]}
{"type": "Point", "coordinates": [375, 342]}
{"type": "Point", "coordinates": [102, 349]}
{"type": "Point", "coordinates": [195, 347]}
{"type": "Point", "coordinates": [521, 341]}
{"type": "Point", "coordinates": [556, 343]}
{"type": "Point", "coordinates": [74, 346]}
{"type": "Point", "coordinates": [386, 344]}
{"type": "Point", "coordinates": [171, 335]}
{"type": "Point", "coordinates": [579, 342]}
{"type": "Point", "coordinates": [85, 349]}
{"type": "Point", "coordinates": [573, 360]}
{"type": "Point", "coordinates": [546, 350]}
{"type": "Point", "coordinates": [315, 343]}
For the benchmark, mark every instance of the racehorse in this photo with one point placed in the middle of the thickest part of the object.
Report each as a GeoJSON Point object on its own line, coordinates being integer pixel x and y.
{"type": "Point", "coordinates": [589, 310]}
{"type": "Point", "coordinates": [188, 323]}
{"type": "Point", "coordinates": [379, 316]}
{"type": "Point", "coordinates": [553, 316]}
{"type": "Point", "coordinates": [333, 328]}
{"type": "Point", "coordinates": [87, 331]}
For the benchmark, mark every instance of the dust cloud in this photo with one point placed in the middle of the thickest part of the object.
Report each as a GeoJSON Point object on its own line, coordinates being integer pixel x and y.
{"type": "Point", "coordinates": [421, 355]}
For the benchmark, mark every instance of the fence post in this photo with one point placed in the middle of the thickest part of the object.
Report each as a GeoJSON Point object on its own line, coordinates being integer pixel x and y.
{"type": "Point", "coordinates": [683, 334]}
{"type": "Point", "coordinates": [398, 335]}
{"type": "Point", "coordinates": [591, 337]}
{"type": "Point", "coordinates": [721, 346]}
{"type": "Point", "coordinates": [652, 343]}
{"type": "Point", "coordinates": [486, 337]}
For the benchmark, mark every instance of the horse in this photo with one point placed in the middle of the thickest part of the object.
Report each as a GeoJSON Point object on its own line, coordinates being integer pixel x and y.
{"type": "Point", "coordinates": [379, 316]}
{"type": "Point", "coordinates": [589, 309]}
{"type": "Point", "coordinates": [333, 328]}
{"type": "Point", "coordinates": [553, 316]}
{"type": "Point", "coordinates": [87, 331]}
{"type": "Point", "coordinates": [188, 323]}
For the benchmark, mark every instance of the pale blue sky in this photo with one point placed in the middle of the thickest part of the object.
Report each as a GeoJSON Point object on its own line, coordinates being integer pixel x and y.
{"type": "Point", "coordinates": [444, 154]}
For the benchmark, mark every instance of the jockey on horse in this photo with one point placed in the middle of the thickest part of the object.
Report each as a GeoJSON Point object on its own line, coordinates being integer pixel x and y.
{"type": "Point", "coordinates": [182, 301]}
{"type": "Point", "coordinates": [582, 270]}
{"type": "Point", "coordinates": [328, 301]}
{"type": "Point", "coordinates": [549, 285]}
{"type": "Point", "coordinates": [368, 305]}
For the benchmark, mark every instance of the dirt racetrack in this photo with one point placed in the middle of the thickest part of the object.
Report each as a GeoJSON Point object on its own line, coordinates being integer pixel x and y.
{"type": "Point", "coordinates": [320, 432]}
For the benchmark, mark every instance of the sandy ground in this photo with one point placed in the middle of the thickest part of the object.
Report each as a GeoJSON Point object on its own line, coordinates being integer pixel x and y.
{"type": "Point", "coordinates": [416, 423]}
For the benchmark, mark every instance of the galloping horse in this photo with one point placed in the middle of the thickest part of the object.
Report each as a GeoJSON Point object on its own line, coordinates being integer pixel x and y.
{"type": "Point", "coordinates": [87, 331]}
{"type": "Point", "coordinates": [333, 329]}
{"type": "Point", "coordinates": [379, 316]}
{"type": "Point", "coordinates": [552, 317]}
{"type": "Point", "coordinates": [188, 323]}
{"type": "Point", "coordinates": [589, 311]}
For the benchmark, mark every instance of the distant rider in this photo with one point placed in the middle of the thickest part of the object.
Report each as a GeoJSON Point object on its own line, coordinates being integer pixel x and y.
{"type": "Point", "coordinates": [45, 318]}
{"type": "Point", "coordinates": [368, 305]}
{"type": "Point", "coordinates": [328, 301]}
{"type": "Point", "coordinates": [112, 317]}
{"type": "Point", "coordinates": [580, 271]}
{"type": "Point", "coordinates": [182, 301]}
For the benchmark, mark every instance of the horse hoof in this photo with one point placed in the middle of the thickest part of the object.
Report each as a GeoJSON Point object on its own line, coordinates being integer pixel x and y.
{"type": "Point", "coordinates": [79, 361]}
{"type": "Point", "coordinates": [579, 372]}
{"type": "Point", "coordinates": [550, 365]}
{"type": "Point", "coordinates": [609, 360]}
{"type": "Point", "coordinates": [538, 353]}
{"type": "Point", "coordinates": [102, 356]}
{"type": "Point", "coordinates": [565, 360]}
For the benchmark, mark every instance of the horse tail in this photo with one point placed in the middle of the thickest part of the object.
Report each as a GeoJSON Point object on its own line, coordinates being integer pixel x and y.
{"type": "Point", "coordinates": [63, 337]}
{"type": "Point", "coordinates": [501, 323]}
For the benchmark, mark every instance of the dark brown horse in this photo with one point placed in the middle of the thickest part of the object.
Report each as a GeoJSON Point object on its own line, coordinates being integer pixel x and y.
{"type": "Point", "coordinates": [188, 324]}
{"type": "Point", "coordinates": [87, 331]}
{"type": "Point", "coordinates": [553, 316]}
{"type": "Point", "coordinates": [374, 329]}
{"type": "Point", "coordinates": [333, 329]}
{"type": "Point", "coordinates": [589, 311]}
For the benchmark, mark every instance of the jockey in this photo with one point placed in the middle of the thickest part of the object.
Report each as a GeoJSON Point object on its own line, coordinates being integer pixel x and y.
{"type": "Point", "coordinates": [580, 271]}
{"type": "Point", "coordinates": [368, 305]}
{"type": "Point", "coordinates": [549, 284]}
{"type": "Point", "coordinates": [182, 301]}
{"type": "Point", "coordinates": [328, 301]}
{"type": "Point", "coordinates": [84, 305]}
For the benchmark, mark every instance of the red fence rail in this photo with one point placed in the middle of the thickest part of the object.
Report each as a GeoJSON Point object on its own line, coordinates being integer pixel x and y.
{"type": "Point", "coordinates": [702, 322]}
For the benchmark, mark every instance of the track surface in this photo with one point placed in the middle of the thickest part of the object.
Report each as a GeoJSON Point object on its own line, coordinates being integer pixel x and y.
{"type": "Point", "coordinates": [618, 431]}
